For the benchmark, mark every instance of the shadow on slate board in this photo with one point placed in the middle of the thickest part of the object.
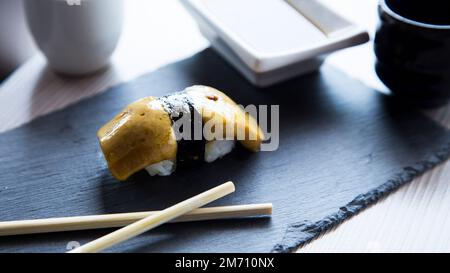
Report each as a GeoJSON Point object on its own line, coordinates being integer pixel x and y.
{"type": "Point", "coordinates": [342, 147]}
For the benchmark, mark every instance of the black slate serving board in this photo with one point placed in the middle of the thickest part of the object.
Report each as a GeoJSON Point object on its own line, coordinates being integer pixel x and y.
{"type": "Point", "coordinates": [342, 147]}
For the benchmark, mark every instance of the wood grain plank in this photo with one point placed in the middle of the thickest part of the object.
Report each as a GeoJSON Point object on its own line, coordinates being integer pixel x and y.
{"type": "Point", "coordinates": [155, 33]}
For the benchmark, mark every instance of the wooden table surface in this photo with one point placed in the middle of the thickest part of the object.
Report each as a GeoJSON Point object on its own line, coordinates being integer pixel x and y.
{"type": "Point", "coordinates": [415, 218]}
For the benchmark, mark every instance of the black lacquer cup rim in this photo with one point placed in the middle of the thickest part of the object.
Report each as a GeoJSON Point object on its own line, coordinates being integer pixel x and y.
{"type": "Point", "coordinates": [385, 8]}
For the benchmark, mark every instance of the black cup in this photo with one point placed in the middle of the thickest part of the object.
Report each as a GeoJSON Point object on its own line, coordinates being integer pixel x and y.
{"type": "Point", "coordinates": [412, 45]}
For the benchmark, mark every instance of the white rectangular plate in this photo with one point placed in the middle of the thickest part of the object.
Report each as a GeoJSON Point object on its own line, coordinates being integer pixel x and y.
{"type": "Point", "coordinates": [272, 40]}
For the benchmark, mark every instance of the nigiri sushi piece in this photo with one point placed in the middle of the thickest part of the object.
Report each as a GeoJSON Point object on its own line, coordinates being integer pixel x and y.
{"type": "Point", "coordinates": [142, 136]}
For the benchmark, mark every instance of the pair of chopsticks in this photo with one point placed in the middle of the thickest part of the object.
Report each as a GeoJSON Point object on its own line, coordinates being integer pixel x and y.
{"type": "Point", "coordinates": [138, 222]}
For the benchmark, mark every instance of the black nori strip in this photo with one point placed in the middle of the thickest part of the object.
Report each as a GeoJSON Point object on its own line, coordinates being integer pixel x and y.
{"type": "Point", "coordinates": [188, 150]}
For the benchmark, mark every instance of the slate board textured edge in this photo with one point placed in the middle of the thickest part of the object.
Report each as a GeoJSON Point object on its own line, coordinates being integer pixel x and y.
{"type": "Point", "coordinates": [301, 233]}
{"type": "Point", "coordinates": [296, 231]}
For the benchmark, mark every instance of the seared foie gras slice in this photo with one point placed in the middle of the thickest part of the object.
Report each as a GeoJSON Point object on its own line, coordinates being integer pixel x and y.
{"type": "Point", "coordinates": [141, 135]}
{"type": "Point", "coordinates": [215, 105]}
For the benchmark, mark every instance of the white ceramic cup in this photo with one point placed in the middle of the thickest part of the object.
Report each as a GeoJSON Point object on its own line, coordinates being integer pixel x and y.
{"type": "Point", "coordinates": [16, 43]}
{"type": "Point", "coordinates": [77, 36]}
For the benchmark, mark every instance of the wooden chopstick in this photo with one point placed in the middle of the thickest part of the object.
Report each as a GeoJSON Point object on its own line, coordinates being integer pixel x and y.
{"type": "Point", "coordinates": [122, 219]}
{"type": "Point", "coordinates": [155, 219]}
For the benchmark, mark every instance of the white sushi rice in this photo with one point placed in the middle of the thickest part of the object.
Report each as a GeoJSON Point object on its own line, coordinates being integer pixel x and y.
{"type": "Point", "coordinates": [217, 148]}
{"type": "Point", "coordinates": [213, 150]}
{"type": "Point", "coordinates": [163, 168]}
